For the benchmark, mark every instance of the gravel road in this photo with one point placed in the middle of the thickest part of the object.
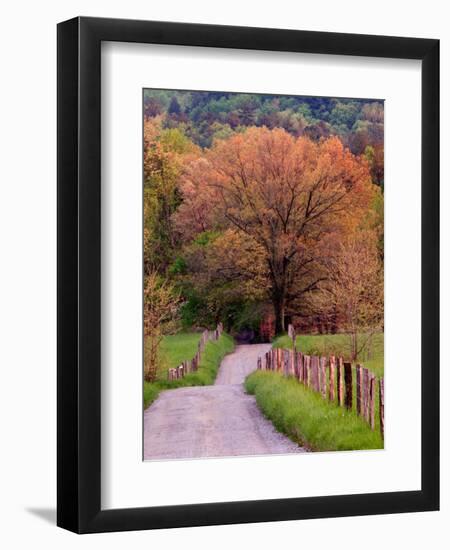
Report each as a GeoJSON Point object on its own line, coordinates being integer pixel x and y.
{"type": "Point", "coordinates": [213, 421]}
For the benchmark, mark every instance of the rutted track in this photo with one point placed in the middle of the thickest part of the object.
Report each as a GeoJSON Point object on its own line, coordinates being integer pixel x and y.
{"type": "Point", "coordinates": [213, 421]}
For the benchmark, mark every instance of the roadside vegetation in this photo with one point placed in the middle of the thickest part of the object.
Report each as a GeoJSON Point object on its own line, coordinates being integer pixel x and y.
{"type": "Point", "coordinates": [340, 345]}
{"type": "Point", "coordinates": [306, 418]}
{"type": "Point", "coordinates": [176, 348]}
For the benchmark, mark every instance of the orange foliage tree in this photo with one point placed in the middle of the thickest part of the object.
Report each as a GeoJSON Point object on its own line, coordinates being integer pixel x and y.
{"type": "Point", "coordinates": [286, 195]}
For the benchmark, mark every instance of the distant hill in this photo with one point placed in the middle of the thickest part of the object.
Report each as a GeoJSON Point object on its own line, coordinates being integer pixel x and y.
{"type": "Point", "coordinates": [204, 116]}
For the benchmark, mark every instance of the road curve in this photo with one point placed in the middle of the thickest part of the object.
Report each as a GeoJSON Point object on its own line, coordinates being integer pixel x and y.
{"type": "Point", "coordinates": [213, 421]}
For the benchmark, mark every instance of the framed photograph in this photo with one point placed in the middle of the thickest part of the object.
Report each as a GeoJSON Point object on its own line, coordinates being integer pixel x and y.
{"type": "Point", "coordinates": [248, 288]}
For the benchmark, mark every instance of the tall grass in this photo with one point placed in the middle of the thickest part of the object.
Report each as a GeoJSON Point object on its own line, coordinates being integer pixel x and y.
{"type": "Point", "coordinates": [308, 419]}
{"type": "Point", "coordinates": [183, 346]}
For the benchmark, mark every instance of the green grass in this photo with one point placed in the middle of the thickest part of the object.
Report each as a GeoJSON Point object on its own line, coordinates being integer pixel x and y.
{"type": "Point", "coordinates": [183, 346]}
{"type": "Point", "coordinates": [308, 419]}
{"type": "Point", "coordinates": [175, 349]}
{"type": "Point", "coordinates": [336, 344]}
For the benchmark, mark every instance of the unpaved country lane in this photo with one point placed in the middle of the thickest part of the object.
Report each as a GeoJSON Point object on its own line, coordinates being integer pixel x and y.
{"type": "Point", "coordinates": [213, 421]}
{"type": "Point", "coordinates": [237, 366]}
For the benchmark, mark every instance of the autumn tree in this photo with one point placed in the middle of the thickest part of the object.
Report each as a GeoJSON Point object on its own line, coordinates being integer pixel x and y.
{"type": "Point", "coordinates": [160, 310]}
{"type": "Point", "coordinates": [285, 194]}
{"type": "Point", "coordinates": [354, 288]}
{"type": "Point", "coordinates": [196, 213]}
{"type": "Point", "coordinates": [164, 154]}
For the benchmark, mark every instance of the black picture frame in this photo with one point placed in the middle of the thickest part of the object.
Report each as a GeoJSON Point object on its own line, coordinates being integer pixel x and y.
{"type": "Point", "coordinates": [79, 281]}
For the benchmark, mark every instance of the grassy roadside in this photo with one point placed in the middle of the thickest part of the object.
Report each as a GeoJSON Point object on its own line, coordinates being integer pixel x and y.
{"type": "Point", "coordinates": [336, 344]}
{"type": "Point", "coordinates": [306, 418]}
{"type": "Point", "coordinates": [183, 346]}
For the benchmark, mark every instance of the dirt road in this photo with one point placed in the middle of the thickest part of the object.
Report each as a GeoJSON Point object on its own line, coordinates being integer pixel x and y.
{"type": "Point", "coordinates": [213, 421]}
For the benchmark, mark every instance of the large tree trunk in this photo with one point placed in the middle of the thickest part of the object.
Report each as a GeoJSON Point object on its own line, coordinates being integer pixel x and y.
{"type": "Point", "coordinates": [279, 306]}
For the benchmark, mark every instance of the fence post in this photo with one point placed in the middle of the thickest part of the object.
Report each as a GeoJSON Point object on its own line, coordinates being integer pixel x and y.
{"type": "Point", "coordinates": [340, 381]}
{"type": "Point", "coordinates": [306, 370]}
{"type": "Point", "coordinates": [292, 369]}
{"type": "Point", "coordinates": [348, 385]}
{"type": "Point", "coordinates": [381, 390]}
{"type": "Point", "coordinates": [323, 376]}
{"type": "Point", "coordinates": [365, 394]}
{"type": "Point", "coordinates": [358, 389]}
{"type": "Point", "coordinates": [285, 357]}
{"type": "Point", "coordinates": [314, 372]}
{"type": "Point", "coordinates": [317, 374]}
{"type": "Point", "coordinates": [299, 356]}
{"type": "Point", "coordinates": [332, 377]}
{"type": "Point", "coordinates": [372, 401]}
{"type": "Point", "coordinates": [292, 335]}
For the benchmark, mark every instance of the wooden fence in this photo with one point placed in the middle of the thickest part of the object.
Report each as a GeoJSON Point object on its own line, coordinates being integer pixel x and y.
{"type": "Point", "coordinates": [191, 365]}
{"type": "Point", "coordinates": [333, 378]}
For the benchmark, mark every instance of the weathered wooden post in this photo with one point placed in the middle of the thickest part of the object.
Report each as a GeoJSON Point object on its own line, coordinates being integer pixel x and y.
{"type": "Point", "coordinates": [381, 390]}
{"type": "Point", "coordinates": [318, 386]}
{"type": "Point", "coordinates": [292, 367]}
{"type": "Point", "coordinates": [332, 378]}
{"type": "Point", "coordinates": [285, 362]}
{"type": "Point", "coordinates": [307, 369]}
{"type": "Point", "coordinates": [313, 372]}
{"type": "Point", "coordinates": [299, 365]}
{"type": "Point", "coordinates": [348, 385]}
{"type": "Point", "coordinates": [323, 377]}
{"type": "Point", "coordinates": [317, 374]}
{"type": "Point", "coordinates": [366, 394]}
{"type": "Point", "coordinates": [340, 381]}
{"type": "Point", "coordinates": [372, 401]}
{"type": "Point", "coordinates": [292, 335]}
{"type": "Point", "coordinates": [358, 389]}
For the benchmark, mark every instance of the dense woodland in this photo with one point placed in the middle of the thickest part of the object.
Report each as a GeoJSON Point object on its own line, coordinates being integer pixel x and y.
{"type": "Point", "coordinates": [263, 209]}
